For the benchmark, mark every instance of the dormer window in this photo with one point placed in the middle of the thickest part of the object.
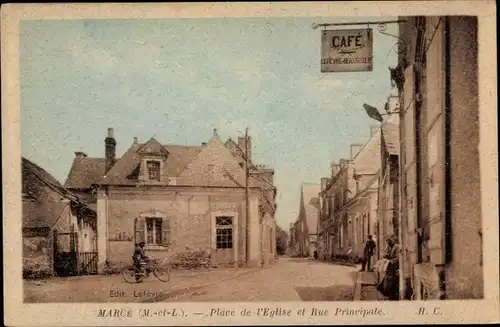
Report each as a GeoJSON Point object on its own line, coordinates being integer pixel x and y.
{"type": "Point", "coordinates": [153, 170]}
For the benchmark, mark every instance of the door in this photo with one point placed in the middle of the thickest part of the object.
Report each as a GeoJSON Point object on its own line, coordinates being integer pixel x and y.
{"type": "Point", "coordinates": [224, 241]}
{"type": "Point", "coordinates": [65, 253]}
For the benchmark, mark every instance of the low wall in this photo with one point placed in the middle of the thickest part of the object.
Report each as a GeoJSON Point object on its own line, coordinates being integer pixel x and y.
{"type": "Point", "coordinates": [37, 253]}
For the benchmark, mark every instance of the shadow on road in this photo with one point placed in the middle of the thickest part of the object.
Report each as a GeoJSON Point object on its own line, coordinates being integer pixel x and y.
{"type": "Point", "coordinates": [328, 293]}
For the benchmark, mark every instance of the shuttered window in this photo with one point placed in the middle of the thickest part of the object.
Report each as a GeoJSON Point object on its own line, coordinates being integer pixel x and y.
{"type": "Point", "coordinates": [152, 231]}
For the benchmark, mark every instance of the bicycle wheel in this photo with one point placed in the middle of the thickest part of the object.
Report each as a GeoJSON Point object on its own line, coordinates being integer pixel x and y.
{"type": "Point", "coordinates": [162, 273]}
{"type": "Point", "coordinates": [132, 275]}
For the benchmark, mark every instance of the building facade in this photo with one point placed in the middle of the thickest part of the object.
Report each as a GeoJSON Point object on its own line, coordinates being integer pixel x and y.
{"type": "Point", "coordinates": [59, 234]}
{"type": "Point", "coordinates": [388, 192]}
{"type": "Point", "coordinates": [177, 198]}
{"type": "Point", "coordinates": [334, 229]}
{"type": "Point", "coordinates": [441, 229]}
{"type": "Point", "coordinates": [387, 221]}
{"type": "Point", "coordinates": [323, 221]}
{"type": "Point", "coordinates": [362, 204]}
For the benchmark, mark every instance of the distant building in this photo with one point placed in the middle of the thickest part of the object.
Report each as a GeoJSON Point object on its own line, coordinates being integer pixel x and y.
{"type": "Point", "coordinates": [293, 245]}
{"type": "Point", "coordinates": [176, 197]}
{"type": "Point", "coordinates": [323, 221]}
{"type": "Point", "coordinates": [334, 226]}
{"type": "Point", "coordinates": [58, 229]}
{"type": "Point", "coordinates": [308, 219]}
{"type": "Point", "coordinates": [361, 206]}
{"type": "Point", "coordinates": [441, 216]}
{"type": "Point", "coordinates": [349, 202]}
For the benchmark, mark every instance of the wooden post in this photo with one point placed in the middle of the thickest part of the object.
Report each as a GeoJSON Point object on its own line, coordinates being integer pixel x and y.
{"type": "Point", "coordinates": [247, 200]}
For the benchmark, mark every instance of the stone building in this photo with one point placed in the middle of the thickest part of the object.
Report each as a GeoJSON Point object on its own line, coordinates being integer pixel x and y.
{"type": "Point", "coordinates": [323, 221]}
{"type": "Point", "coordinates": [334, 226]}
{"type": "Point", "coordinates": [58, 229]}
{"type": "Point", "coordinates": [294, 244]}
{"type": "Point", "coordinates": [263, 177]}
{"type": "Point", "coordinates": [388, 192]}
{"type": "Point", "coordinates": [387, 222]}
{"type": "Point", "coordinates": [441, 229]}
{"type": "Point", "coordinates": [175, 198]}
{"type": "Point", "coordinates": [361, 206]}
{"type": "Point", "coordinates": [349, 202]}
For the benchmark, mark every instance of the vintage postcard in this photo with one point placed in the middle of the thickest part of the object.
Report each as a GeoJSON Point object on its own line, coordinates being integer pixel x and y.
{"type": "Point", "coordinates": [250, 163]}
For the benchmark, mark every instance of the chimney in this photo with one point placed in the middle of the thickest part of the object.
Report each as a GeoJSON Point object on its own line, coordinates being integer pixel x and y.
{"type": "Point", "coordinates": [355, 149]}
{"type": "Point", "coordinates": [266, 173]}
{"type": "Point", "coordinates": [136, 140]}
{"type": "Point", "coordinates": [335, 168]}
{"type": "Point", "coordinates": [80, 154]}
{"type": "Point", "coordinates": [241, 145]}
{"type": "Point", "coordinates": [373, 130]}
{"type": "Point", "coordinates": [324, 182]}
{"type": "Point", "coordinates": [110, 150]}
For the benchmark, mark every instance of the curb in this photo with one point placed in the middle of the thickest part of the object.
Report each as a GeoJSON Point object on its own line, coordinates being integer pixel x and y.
{"type": "Point", "coordinates": [357, 288]}
{"type": "Point", "coordinates": [359, 285]}
{"type": "Point", "coordinates": [189, 289]}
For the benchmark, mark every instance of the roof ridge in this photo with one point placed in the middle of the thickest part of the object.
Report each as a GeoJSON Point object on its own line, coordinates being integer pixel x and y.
{"type": "Point", "coordinates": [379, 129]}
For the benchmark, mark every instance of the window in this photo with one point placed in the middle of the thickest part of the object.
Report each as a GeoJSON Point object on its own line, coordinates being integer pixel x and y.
{"type": "Point", "coordinates": [224, 232]}
{"type": "Point", "coordinates": [152, 231]}
{"type": "Point", "coordinates": [153, 170]}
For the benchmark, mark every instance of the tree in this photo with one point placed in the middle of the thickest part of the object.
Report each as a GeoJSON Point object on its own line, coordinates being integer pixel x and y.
{"type": "Point", "coordinates": [281, 241]}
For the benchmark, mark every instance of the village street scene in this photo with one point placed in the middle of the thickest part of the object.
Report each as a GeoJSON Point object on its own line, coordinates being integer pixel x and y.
{"type": "Point", "coordinates": [348, 171]}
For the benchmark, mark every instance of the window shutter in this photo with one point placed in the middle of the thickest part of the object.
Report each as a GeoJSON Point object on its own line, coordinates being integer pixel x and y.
{"type": "Point", "coordinates": [165, 230]}
{"type": "Point", "coordinates": [139, 229]}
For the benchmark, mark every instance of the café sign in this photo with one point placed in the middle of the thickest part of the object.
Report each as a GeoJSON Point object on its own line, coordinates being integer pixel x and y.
{"type": "Point", "coordinates": [346, 50]}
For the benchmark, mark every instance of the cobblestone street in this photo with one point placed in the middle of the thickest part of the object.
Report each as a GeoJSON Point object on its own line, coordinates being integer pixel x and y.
{"type": "Point", "coordinates": [287, 280]}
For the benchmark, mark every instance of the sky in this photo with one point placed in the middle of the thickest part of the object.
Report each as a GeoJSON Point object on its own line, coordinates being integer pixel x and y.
{"type": "Point", "coordinates": [178, 79]}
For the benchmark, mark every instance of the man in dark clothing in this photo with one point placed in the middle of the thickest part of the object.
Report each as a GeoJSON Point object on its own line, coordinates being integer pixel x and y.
{"type": "Point", "coordinates": [368, 253]}
{"type": "Point", "coordinates": [139, 254]}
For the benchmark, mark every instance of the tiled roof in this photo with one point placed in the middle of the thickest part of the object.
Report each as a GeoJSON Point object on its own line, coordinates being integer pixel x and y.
{"type": "Point", "coordinates": [35, 182]}
{"type": "Point", "coordinates": [311, 205]}
{"type": "Point", "coordinates": [42, 214]}
{"type": "Point", "coordinates": [28, 166]}
{"type": "Point", "coordinates": [87, 171]}
{"type": "Point", "coordinates": [33, 176]}
{"type": "Point", "coordinates": [84, 172]}
{"type": "Point", "coordinates": [390, 134]}
{"type": "Point", "coordinates": [367, 161]}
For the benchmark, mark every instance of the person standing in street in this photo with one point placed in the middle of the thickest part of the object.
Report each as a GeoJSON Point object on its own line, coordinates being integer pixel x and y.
{"type": "Point", "coordinates": [390, 284]}
{"type": "Point", "coordinates": [368, 253]}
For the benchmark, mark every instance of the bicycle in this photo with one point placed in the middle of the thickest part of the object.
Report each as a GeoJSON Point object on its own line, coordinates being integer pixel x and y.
{"type": "Point", "coordinates": [133, 274]}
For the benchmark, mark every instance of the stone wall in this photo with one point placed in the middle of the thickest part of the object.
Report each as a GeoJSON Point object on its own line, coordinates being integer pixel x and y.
{"type": "Point", "coordinates": [464, 275]}
{"type": "Point", "coordinates": [191, 219]}
{"type": "Point", "coordinates": [37, 253]}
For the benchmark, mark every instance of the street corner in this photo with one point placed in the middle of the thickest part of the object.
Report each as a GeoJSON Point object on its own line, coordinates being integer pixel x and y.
{"type": "Point", "coordinates": [366, 278]}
